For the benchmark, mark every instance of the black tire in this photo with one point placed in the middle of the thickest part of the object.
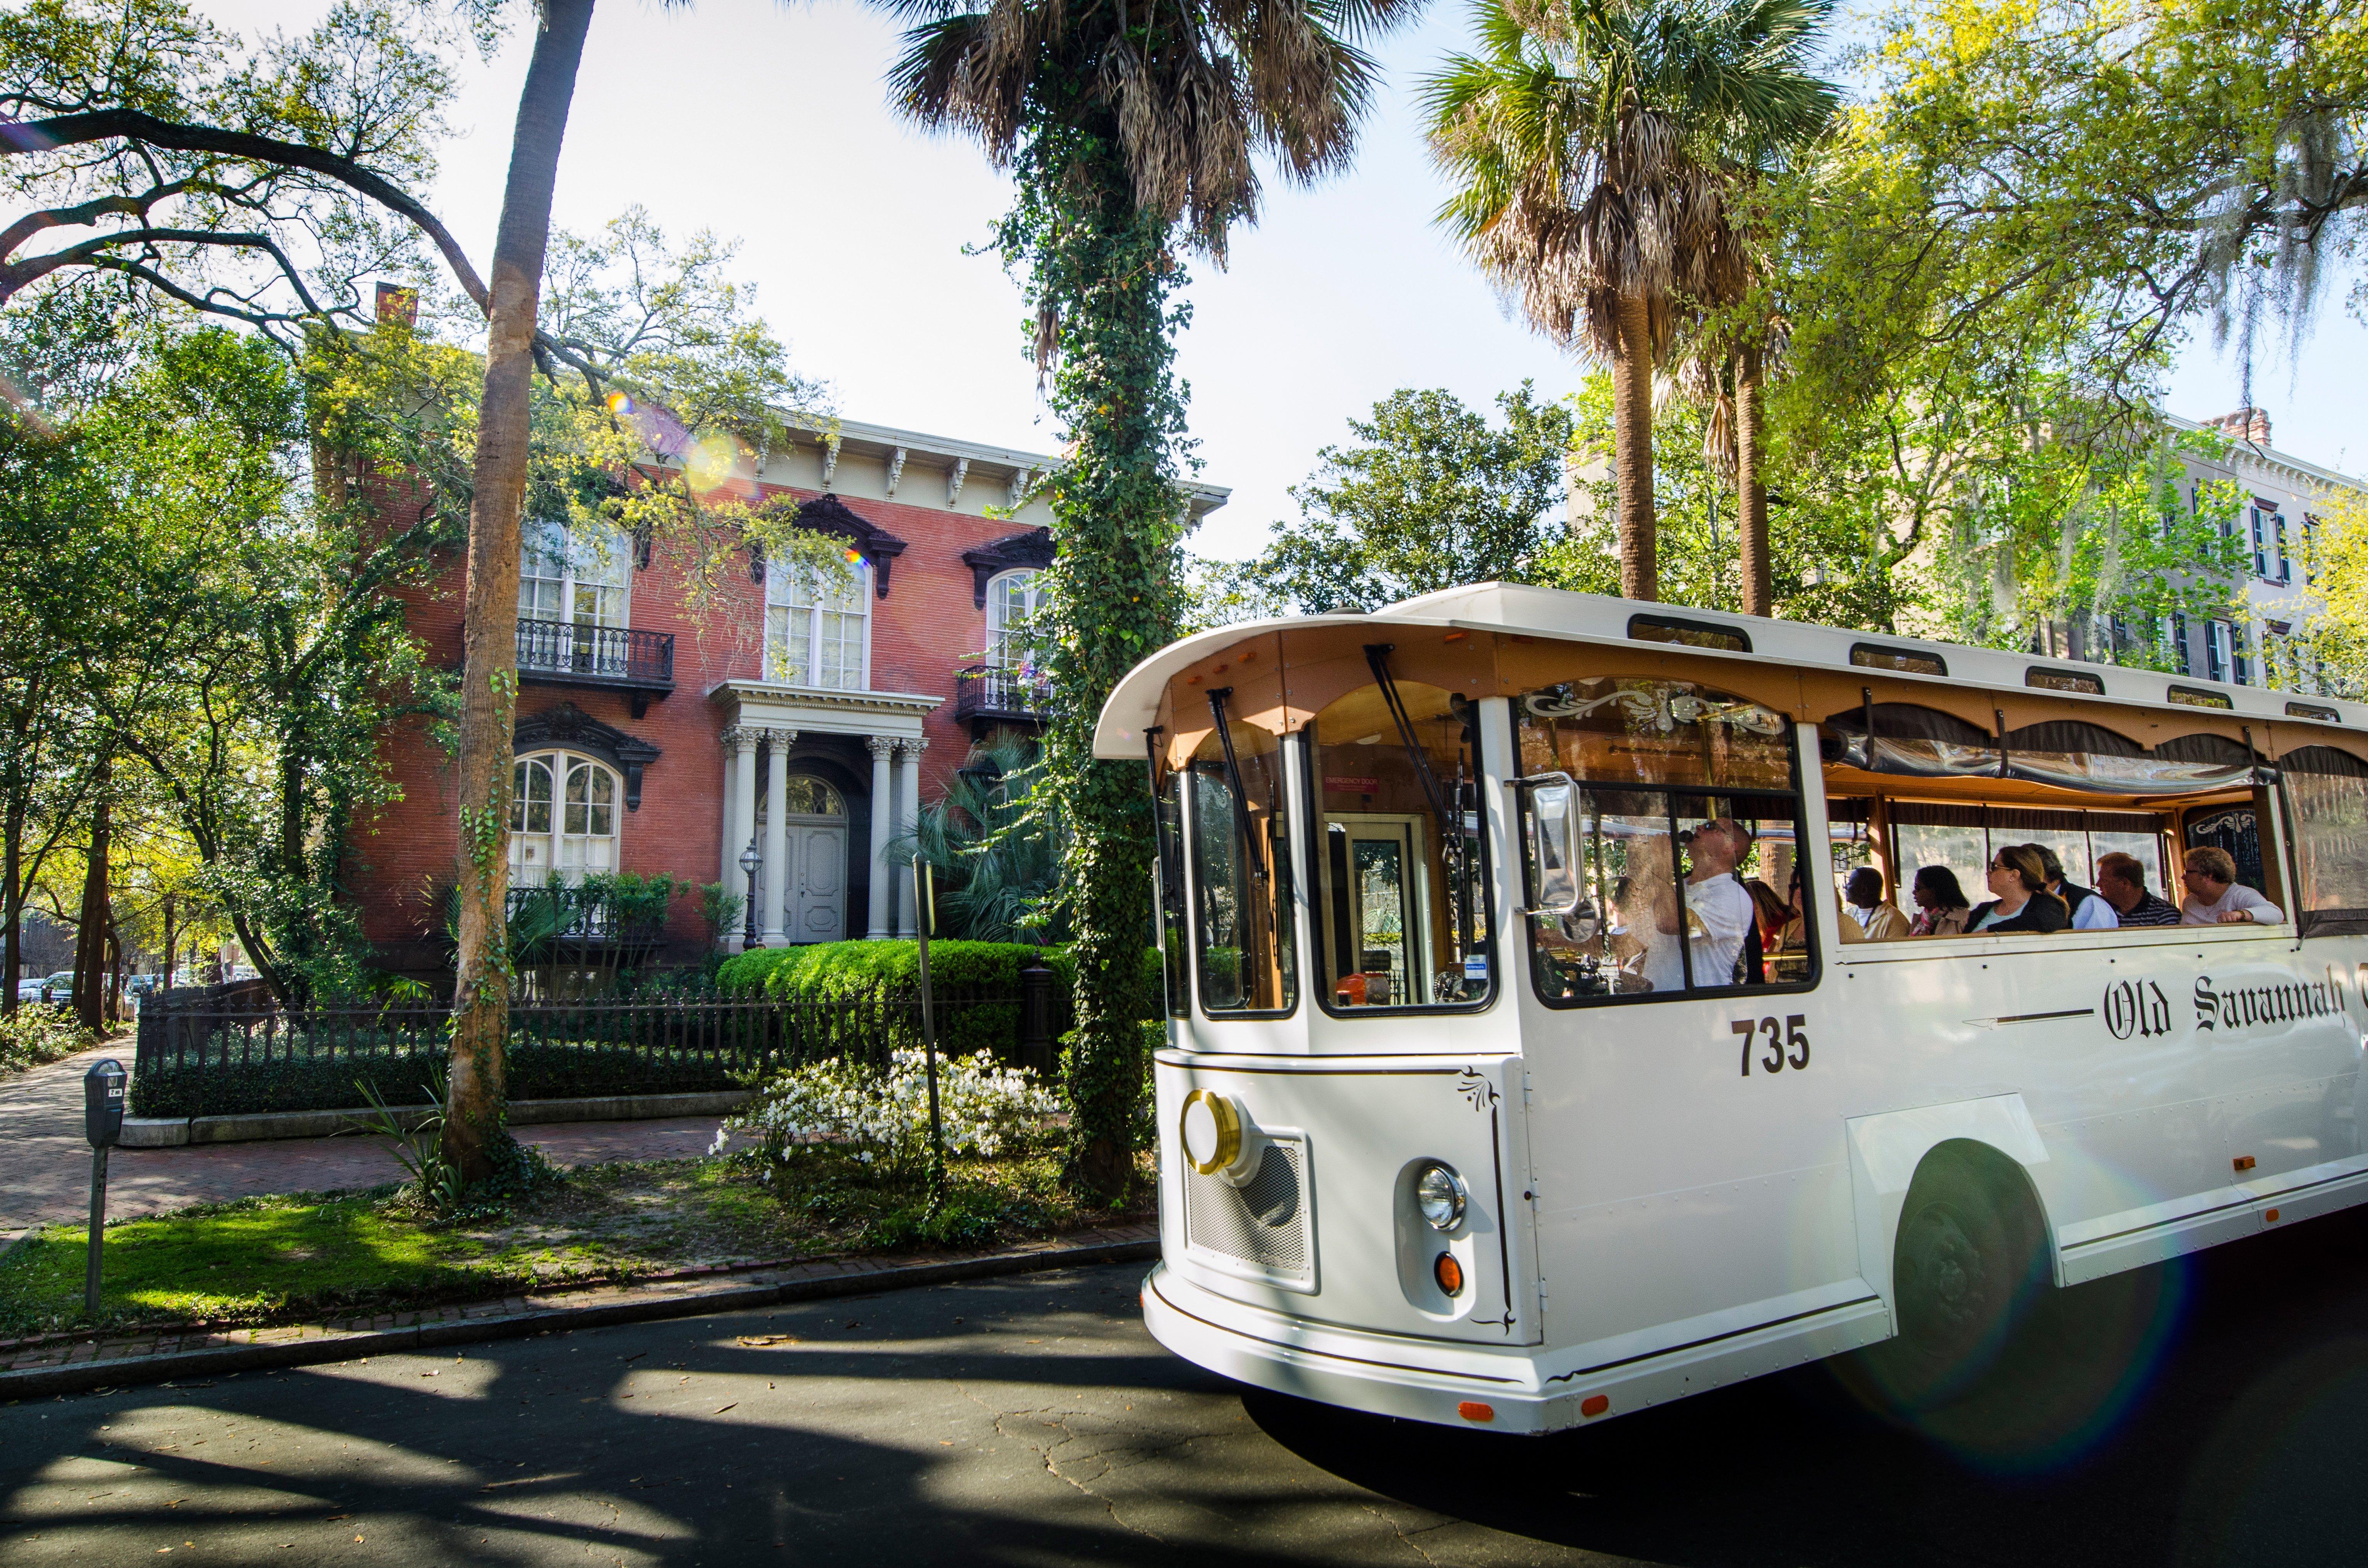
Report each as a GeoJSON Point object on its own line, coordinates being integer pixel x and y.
{"type": "Point", "coordinates": [1967, 1267]}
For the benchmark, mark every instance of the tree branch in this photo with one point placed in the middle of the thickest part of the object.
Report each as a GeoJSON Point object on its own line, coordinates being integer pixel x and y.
{"type": "Point", "coordinates": [101, 125]}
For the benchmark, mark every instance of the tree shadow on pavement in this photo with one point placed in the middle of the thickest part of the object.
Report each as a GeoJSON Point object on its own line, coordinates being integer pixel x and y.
{"type": "Point", "coordinates": [2206, 1414]}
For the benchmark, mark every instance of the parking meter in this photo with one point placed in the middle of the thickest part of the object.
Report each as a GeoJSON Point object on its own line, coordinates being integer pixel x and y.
{"type": "Point", "coordinates": [102, 1124]}
{"type": "Point", "coordinates": [102, 1103]}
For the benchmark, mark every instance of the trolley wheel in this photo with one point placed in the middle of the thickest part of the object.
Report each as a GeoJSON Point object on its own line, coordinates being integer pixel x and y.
{"type": "Point", "coordinates": [1968, 1265]}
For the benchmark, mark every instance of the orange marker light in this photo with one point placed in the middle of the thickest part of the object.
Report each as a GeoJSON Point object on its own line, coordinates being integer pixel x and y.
{"type": "Point", "coordinates": [2243, 1162]}
{"type": "Point", "coordinates": [1448, 1273]}
{"type": "Point", "coordinates": [1456, 637]}
{"type": "Point", "coordinates": [2272, 1216]}
{"type": "Point", "coordinates": [1472, 1409]}
{"type": "Point", "coordinates": [1595, 1404]}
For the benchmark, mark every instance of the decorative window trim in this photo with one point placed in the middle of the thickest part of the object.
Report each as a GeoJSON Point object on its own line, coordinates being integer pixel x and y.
{"type": "Point", "coordinates": [829, 515]}
{"type": "Point", "coordinates": [1030, 550]}
{"type": "Point", "coordinates": [568, 728]}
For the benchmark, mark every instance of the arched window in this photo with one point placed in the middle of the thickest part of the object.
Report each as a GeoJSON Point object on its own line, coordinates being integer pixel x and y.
{"type": "Point", "coordinates": [582, 578]}
{"type": "Point", "coordinates": [562, 818]}
{"type": "Point", "coordinates": [816, 626]}
{"type": "Point", "coordinates": [810, 797]}
{"type": "Point", "coordinates": [1011, 603]}
{"type": "Point", "coordinates": [802, 795]}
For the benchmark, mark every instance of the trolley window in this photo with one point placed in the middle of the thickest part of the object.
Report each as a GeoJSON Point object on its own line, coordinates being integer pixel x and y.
{"type": "Point", "coordinates": [1400, 862]}
{"type": "Point", "coordinates": [1241, 871]}
{"type": "Point", "coordinates": [1167, 806]}
{"type": "Point", "coordinates": [1663, 836]}
{"type": "Point", "coordinates": [2327, 795]}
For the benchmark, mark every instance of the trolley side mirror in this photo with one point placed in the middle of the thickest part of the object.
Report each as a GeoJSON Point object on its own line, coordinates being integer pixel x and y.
{"type": "Point", "coordinates": [1552, 825]}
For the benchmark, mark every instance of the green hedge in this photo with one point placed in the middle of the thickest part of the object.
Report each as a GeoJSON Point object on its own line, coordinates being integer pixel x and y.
{"type": "Point", "coordinates": [839, 971]}
{"type": "Point", "coordinates": [537, 1072]}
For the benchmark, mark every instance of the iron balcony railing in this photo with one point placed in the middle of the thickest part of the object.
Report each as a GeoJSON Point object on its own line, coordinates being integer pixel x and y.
{"type": "Point", "coordinates": [994, 693]}
{"type": "Point", "coordinates": [568, 653]}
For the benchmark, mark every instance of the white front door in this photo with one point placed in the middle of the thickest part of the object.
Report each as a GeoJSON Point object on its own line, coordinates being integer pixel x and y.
{"type": "Point", "coordinates": [815, 910]}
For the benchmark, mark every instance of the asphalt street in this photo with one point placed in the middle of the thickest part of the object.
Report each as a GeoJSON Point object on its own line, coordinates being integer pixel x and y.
{"type": "Point", "coordinates": [2190, 1415]}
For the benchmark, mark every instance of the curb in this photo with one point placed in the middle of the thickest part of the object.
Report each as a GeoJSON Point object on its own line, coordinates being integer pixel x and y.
{"type": "Point", "coordinates": [516, 1317]}
{"type": "Point", "coordinates": [176, 1131]}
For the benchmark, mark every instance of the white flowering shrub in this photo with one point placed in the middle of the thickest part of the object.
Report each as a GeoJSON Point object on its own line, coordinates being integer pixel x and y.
{"type": "Point", "coordinates": [882, 1119]}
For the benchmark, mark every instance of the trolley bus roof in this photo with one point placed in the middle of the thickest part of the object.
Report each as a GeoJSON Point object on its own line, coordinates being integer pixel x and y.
{"type": "Point", "coordinates": [1896, 665]}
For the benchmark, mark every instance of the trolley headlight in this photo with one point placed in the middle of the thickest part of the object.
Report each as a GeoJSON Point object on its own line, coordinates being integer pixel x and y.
{"type": "Point", "coordinates": [1438, 1192]}
{"type": "Point", "coordinates": [1209, 1130]}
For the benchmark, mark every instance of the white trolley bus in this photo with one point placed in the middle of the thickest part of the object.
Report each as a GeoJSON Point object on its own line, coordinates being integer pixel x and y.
{"type": "Point", "coordinates": [1477, 1107]}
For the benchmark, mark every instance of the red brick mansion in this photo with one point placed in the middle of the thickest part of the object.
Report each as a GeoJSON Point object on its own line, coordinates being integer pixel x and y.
{"type": "Point", "coordinates": [805, 718]}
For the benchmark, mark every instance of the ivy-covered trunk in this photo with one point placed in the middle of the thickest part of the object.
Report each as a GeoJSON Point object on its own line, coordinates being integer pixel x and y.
{"type": "Point", "coordinates": [1101, 274]}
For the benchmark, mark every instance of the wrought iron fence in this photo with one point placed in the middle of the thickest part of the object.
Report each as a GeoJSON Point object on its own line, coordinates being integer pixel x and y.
{"type": "Point", "coordinates": [665, 1036]}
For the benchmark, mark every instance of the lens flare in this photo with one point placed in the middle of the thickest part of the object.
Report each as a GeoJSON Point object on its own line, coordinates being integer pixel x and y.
{"type": "Point", "coordinates": [711, 459]}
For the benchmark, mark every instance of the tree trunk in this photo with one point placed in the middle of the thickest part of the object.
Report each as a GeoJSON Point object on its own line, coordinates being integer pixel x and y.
{"type": "Point", "coordinates": [489, 666]}
{"type": "Point", "coordinates": [1117, 510]}
{"type": "Point", "coordinates": [114, 961]}
{"type": "Point", "coordinates": [90, 936]}
{"type": "Point", "coordinates": [172, 934]}
{"type": "Point", "coordinates": [1751, 492]}
{"type": "Point", "coordinates": [1631, 441]}
{"type": "Point", "coordinates": [12, 899]}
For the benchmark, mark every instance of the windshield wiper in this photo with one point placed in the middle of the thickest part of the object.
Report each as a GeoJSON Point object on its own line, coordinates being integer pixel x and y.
{"type": "Point", "coordinates": [1451, 841]}
{"type": "Point", "coordinates": [1234, 784]}
{"type": "Point", "coordinates": [1451, 824]}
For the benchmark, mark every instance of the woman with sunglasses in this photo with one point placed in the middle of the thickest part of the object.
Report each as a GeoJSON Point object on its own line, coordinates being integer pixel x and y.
{"type": "Point", "coordinates": [2020, 899]}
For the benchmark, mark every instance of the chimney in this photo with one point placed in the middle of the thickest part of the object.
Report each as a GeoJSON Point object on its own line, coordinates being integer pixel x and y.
{"type": "Point", "coordinates": [396, 302]}
{"type": "Point", "coordinates": [2246, 425]}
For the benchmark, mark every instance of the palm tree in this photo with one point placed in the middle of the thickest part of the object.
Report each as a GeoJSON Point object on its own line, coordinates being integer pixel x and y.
{"type": "Point", "coordinates": [1724, 371]}
{"type": "Point", "coordinates": [1587, 144]}
{"type": "Point", "coordinates": [1124, 124]}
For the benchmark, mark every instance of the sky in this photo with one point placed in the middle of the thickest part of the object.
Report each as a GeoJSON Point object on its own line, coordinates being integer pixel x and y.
{"type": "Point", "coordinates": [768, 123]}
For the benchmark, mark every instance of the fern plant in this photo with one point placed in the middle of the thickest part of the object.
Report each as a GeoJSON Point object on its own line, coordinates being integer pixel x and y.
{"type": "Point", "coordinates": [995, 841]}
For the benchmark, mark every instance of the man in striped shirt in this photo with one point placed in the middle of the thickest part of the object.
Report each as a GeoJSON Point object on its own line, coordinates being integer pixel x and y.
{"type": "Point", "coordinates": [2120, 881]}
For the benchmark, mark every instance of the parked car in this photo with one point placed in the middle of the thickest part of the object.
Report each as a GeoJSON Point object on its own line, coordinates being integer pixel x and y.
{"type": "Point", "coordinates": [30, 990]}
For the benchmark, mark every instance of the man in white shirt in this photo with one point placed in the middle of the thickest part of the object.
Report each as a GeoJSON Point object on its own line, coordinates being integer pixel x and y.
{"type": "Point", "coordinates": [2089, 911]}
{"type": "Point", "coordinates": [1718, 911]}
{"type": "Point", "coordinates": [2215, 896]}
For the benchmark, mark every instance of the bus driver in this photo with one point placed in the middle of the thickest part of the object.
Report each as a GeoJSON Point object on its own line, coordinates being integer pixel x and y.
{"type": "Point", "coordinates": [1718, 911]}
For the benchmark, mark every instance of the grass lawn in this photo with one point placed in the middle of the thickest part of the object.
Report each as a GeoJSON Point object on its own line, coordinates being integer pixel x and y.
{"type": "Point", "coordinates": [306, 1254]}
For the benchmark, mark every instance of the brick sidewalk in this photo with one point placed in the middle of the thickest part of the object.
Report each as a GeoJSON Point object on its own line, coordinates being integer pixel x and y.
{"type": "Point", "coordinates": [45, 1164]}
{"type": "Point", "coordinates": [62, 1363]}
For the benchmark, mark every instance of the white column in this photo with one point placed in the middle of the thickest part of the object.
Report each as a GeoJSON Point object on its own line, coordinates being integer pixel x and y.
{"type": "Point", "coordinates": [741, 826]}
{"type": "Point", "coordinates": [777, 835]}
{"type": "Point", "coordinates": [882, 829]}
{"type": "Point", "coordinates": [908, 817]}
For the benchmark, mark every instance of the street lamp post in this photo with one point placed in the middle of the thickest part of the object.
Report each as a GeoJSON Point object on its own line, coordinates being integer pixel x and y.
{"type": "Point", "coordinates": [749, 861]}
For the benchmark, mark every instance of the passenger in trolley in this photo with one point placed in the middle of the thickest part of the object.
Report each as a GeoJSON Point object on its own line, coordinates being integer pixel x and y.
{"type": "Point", "coordinates": [1524, 1066]}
